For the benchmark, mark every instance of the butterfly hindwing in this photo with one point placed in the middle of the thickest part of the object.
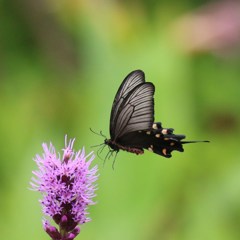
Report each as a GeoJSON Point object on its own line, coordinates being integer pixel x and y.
{"type": "Point", "coordinates": [161, 141]}
{"type": "Point", "coordinates": [164, 141]}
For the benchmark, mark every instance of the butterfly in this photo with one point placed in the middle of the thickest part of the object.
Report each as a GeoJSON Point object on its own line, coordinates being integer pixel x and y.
{"type": "Point", "coordinates": [132, 126]}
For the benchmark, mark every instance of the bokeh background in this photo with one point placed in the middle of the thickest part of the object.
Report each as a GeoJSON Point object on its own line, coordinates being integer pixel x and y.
{"type": "Point", "coordinates": [61, 63]}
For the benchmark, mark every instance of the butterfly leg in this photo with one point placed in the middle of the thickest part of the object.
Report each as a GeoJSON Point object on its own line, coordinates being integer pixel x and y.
{"type": "Point", "coordinates": [113, 164]}
{"type": "Point", "coordinates": [107, 156]}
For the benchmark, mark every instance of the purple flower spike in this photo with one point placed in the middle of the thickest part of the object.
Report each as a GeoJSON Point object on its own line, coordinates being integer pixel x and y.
{"type": "Point", "coordinates": [67, 186]}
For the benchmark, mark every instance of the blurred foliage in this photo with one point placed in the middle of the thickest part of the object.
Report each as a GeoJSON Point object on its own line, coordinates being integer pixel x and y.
{"type": "Point", "coordinates": [61, 63]}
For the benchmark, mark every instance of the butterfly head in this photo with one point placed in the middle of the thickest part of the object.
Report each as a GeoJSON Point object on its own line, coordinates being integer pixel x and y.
{"type": "Point", "coordinates": [111, 144]}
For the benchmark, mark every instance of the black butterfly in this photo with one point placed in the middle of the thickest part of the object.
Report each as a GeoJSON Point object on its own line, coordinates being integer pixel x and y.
{"type": "Point", "coordinates": [132, 126]}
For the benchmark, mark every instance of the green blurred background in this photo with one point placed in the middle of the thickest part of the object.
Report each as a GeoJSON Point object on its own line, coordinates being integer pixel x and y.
{"type": "Point", "coordinates": [61, 63]}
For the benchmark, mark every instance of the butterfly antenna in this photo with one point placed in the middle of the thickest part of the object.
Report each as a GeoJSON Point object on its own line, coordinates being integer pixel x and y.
{"type": "Point", "coordinates": [97, 145]}
{"type": "Point", "coordinates": [102, 134]}
{"type": "Point", "coordinates": [99, 134]}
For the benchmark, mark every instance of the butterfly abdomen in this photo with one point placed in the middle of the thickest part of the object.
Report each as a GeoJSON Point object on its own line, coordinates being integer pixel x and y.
{"type": "Point", "coordinates": [132, 149]}
{"type": "Point", "coordinates": [116, 147]}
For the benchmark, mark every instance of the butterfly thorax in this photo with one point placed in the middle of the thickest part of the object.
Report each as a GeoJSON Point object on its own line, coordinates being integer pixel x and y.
{"type": "Point", "coordinates": [112, 144]}
{"type": "Point", "coordinates": [116, 147]}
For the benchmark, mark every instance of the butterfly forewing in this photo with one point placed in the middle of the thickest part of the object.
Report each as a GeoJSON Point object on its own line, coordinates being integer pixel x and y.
{"type": "Point", "coordinates": [136, 112]}
{"type": "Point", "coordinates": [133, 79]}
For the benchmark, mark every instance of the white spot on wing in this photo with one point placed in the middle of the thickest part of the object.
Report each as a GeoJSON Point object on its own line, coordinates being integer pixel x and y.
{"type": "Point", "coordinates": [150, 149]}
{"type": "Point", "coordinates": [164, 131]}
{"type": "Point", "coordinates": [164, 151]}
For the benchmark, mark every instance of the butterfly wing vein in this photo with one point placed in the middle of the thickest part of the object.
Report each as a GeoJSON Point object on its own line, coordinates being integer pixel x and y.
{"type": "Point", "coordinates": [133, 108]}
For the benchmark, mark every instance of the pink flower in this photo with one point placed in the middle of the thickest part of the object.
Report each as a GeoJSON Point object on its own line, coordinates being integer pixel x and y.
{"type": "Point", "coordinates": [67, 186]}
